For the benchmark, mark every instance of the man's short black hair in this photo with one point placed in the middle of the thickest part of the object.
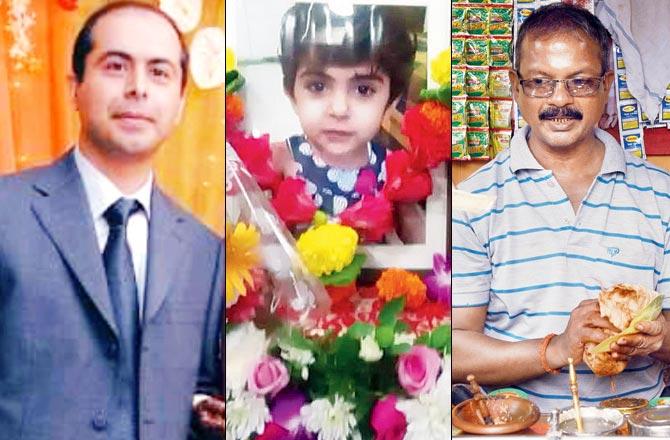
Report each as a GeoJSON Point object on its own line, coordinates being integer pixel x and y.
{"type": "Point", "coordinates": [565, 18]}
{"type": "Point", "coordinates": [83, 44]}
{"type": "Point", "coordinates": [377, 34]}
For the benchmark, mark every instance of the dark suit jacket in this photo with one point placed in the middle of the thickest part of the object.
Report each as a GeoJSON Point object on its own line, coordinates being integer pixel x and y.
{"type": "Point", "coordinates": [58, 339]}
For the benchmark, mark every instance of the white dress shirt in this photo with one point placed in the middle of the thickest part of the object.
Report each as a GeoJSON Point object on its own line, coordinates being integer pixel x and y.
{"type": "Point", "coordinates": [101, 194]}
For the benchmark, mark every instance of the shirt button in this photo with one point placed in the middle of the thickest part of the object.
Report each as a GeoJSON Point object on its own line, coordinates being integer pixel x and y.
{"type": "Point", "coordinates": [112, 350]}
{"type": "Point", "coordinates": [99, 421]}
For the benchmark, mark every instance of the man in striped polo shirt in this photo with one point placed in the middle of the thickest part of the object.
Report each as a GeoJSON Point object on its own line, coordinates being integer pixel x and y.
{"type": "Point", "coordinates": [573, 213]}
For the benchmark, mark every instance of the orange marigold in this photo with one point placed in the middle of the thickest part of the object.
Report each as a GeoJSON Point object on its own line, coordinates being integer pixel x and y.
{"type": "Point", "coordinates": [438, 114]}
{"type": "Point", "coordinates": [234, 108]}
{"type": "Point", "coordinates": [394, 283]}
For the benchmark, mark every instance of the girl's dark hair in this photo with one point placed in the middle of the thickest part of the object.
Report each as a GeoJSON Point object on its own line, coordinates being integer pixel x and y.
{"type": "Point", "coordinates": [311, 33]}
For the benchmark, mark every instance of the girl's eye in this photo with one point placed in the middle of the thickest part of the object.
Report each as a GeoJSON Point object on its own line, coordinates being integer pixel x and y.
{"type": "Point", "coordinates": [316, 86]}
{"type": "Point", "coordinates": [365, 90]}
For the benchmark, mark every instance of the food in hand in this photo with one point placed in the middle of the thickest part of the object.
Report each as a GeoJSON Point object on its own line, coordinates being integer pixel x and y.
{"type": "Point", "coordinates": [619, 304]}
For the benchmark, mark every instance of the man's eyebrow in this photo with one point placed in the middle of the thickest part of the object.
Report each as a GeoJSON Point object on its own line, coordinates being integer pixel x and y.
{"type": "Point", "coordinates": [128, 57]}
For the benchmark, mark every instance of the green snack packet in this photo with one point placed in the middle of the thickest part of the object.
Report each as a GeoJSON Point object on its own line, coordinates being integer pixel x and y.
{"type": "Point", "coordinates": [476, 81]}
{"type": "Point", "coordinates": [500, 21]}
{"type": "Point", "coordinates": [500, 85]}
{"type": "Point", "coordinates": [458, 144]}
{"type": "Point", "coordinates": [458, 19]}
{"type": "Point", "coordinates": [477, 113]}
{"type": "Point", "coordinates": [502, 2]}
{"type": "Point", "coordinates": [477, 21]}
{"type": "Point", "coordinates": [478, 1]}
{"type": "Point", "coordinates": [500, 140]}
{"type": "Point", "coordinates": [500, 52]}
{"type": "Point", "coordinates": [477, 52]}
{"type": "Point", "coordinates": [501, 113]}
{"type": "Point", "coordinates": [458, 111]}
{"type": "Point", "coordinates": [478, 143]}
{"type": "Point", "coordinates": [457, 82]}
{"type": "Point", "coordinates": [457, 51]}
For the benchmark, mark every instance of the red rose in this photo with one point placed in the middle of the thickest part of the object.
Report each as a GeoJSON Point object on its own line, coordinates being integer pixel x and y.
{"type": "Point", "coordinates": [257, 158]}
{"type": "Point", "coordinates": [404, 184]}
{"type": "Point", "coordinates": [371, 217]}
{"type": "Point", "coordinates": [293, 204]}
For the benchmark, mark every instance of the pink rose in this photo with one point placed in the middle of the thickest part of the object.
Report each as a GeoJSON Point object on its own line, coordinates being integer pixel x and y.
{"type": "Point", "coordinates": [387, 422]}
{"type": "Point", "coordinates": [418, 369]}
{"type": "Point", "coordinates": [268, 376]}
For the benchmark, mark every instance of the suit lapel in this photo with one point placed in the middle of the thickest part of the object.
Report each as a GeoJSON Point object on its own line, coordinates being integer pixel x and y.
{"type": "Point", "coordinates": [63, 212]}
{"type": "Point", "coordinates": [165, 252]}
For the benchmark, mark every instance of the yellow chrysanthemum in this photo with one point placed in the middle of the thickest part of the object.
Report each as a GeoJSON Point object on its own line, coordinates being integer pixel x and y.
{"type": "Point", "coordinates": [327, 248]}
{"type": "Point", "coordinates": [241, 256]}
{"type": "Point", "coordinates": [440, 67]}
{"type": "Point", "coordinates": [231, 61]}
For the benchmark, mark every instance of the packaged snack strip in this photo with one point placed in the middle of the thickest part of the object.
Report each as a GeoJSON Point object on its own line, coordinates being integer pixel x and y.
{"type": "Point", "coordinates": [665, 108]}
{"type": "Point", "coordinates": [477, 21]}
{"type": "Point", "coordinates": [458, 111]}
{"type": "Point", "coordinates": [501, 113]}
{"type": "Point", "coordinates": [500, 85]}
{"type": "Point", "coordinates": [500, 140]}
{"type": "Point", "coordinates": [622, 86]}
{"type": "Point", "coordinates": [477, 113]}
{"type": "Point", "coordinates": [525, 1]}
{"type": "Point", "coordinates": [634, 142]}
{"type": "Point", "coordinates": [458, 143]}
{"type": "Point", "coordinates": [477, 51]}
{"type": "Point", "coordinates": [502, 2]}
{"type": "Point", "coordinates": [476, 81]}
{"type": "Point", "coordinates": [618, 56]}
{"type": "Point", "coordinates": [500, 51]}
{"type": "Point", "coordinates": [458, 81]}
{"type": "Point", "coordinates": [522, 14]}
{"type": "Point", "coordinates": [478, 143]}
{"type": "Point", "coordinates": [458, 19]}
{"type": "Point", "coordinates": [500, 21]}
{"type": "Point", "coordinates": [478, 1]}
{"type": "Point", "coordinates": [629, 116]}
{"type": "Point", "coordinates": [457, 51]}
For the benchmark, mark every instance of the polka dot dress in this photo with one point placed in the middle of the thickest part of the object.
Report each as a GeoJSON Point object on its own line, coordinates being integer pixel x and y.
{"type": "Point", "coordinates": [333, 188]}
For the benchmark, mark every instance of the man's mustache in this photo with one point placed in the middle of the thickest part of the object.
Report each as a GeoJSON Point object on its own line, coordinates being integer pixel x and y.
{"type": "Point", "coordinates": [561, 113]}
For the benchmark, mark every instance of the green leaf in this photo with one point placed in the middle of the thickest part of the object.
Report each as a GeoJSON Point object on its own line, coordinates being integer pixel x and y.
{"type": "Point", "coordinates": [234, 81]}
{"type": "Point", "coordinates": [347, 274]}
{"type": "Point", "coordinates": [649, 313]}
{"type": "Point", "coordinates": [423, 339]}
{"type": "Point", "coordinates": [384, 336]}
{"type": "Point", "coordinates": [359, 330]}
{"type": "Point", "coordinates": [400, 349]}
{"type": "Point", "coordinates": [401, 327]}
{"type": "Point", "coordinates": [440, 337]}
{"type": "Point", "coordinates": [389, 313]}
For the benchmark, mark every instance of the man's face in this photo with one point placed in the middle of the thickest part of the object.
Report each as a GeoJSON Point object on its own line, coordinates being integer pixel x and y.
{"type": "Point", "coordinates": [340, 107]}
{"type": "Point", "coordinates": [560, 121]}
{"type": "Point", "coordinates": [130, 97]}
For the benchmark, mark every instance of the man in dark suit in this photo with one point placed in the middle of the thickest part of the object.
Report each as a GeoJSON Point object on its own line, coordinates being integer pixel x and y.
{"type": "Point", "coordinates": [110, 295]}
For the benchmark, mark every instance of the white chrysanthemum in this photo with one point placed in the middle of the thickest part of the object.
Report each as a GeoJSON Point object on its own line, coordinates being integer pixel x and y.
{"type": "Point", "coordinates": [370, 351]}
{"type": "Point", "coordinates": [297, 356]}
{"type": "Point", "coordinates": [429, 415]}
{"type": "Point", "coordinates": [330, 421]}
{"type": "Point", "coordinates": [246, 414]}
{"type": "Point", "coordinates": [245, 345]}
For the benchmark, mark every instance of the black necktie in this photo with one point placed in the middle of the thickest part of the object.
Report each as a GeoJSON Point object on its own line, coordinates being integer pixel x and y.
{"type": "Point", "coordinates": [123, 291]}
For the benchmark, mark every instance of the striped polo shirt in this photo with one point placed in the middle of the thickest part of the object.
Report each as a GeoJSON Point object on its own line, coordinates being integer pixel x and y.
{"type": "Point", "coordinates": [531, 260]}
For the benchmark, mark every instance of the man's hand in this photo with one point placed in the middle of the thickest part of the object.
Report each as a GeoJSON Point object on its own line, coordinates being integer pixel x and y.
{"type": "Point", "coordinates": [211, 413]}
{"type": "Point", "coordinates": [649, 340]}
{"type": "Point", "coordinates": [585, 325]}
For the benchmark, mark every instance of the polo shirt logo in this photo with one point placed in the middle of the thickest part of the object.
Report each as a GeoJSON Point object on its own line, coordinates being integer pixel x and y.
{"type": "Point", "coordinates": [613, 251]}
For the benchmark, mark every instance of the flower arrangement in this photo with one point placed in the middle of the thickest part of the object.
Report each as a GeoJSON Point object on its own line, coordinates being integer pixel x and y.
{"type": "Point", "coordinates": [375, 363]}
{"type": "Point", "coordinates": [372, 380]}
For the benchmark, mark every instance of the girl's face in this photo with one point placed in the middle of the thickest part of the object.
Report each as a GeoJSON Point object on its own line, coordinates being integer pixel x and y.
{"type": "Point", "coordinates": [340, 107]}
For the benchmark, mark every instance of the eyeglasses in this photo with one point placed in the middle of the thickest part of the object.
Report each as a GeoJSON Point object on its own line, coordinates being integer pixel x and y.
{"type": "Point", "coordinates": [544, 88]}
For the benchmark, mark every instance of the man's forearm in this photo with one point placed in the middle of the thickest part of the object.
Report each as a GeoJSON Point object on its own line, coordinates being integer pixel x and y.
{"type": "Point", "coordinates": [496, 362]}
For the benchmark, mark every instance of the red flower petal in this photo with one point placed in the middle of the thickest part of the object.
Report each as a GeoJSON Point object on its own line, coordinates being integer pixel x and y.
{"type": "Point", "coordinates": [404, 184]}
{"type": "Point", "coordinates": [371, 217]}
{"type": "Point", "coordinates": [293, 204]}
{"type": "Point", "coordinates": [257, 158]}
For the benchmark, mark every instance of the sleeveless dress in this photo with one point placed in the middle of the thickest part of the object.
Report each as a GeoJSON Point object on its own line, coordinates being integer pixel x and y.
{"type": "Point", "coordinates": [333, 188]}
